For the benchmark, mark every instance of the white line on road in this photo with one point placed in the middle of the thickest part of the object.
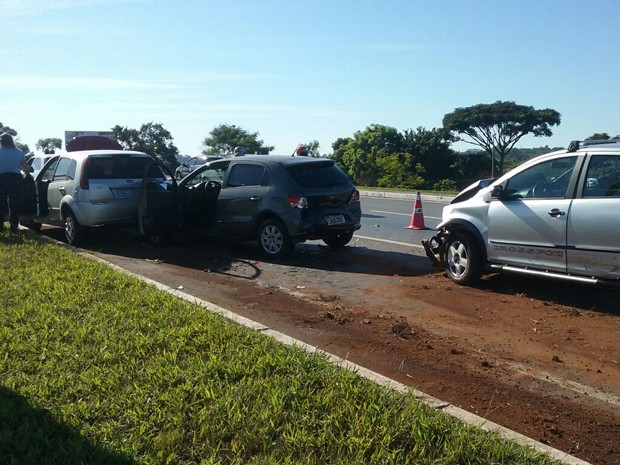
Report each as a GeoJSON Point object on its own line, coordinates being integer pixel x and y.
{"type": "Point", "coordinates": [403, 214]}
{"type": "Point", "coordinates": [406, 244]}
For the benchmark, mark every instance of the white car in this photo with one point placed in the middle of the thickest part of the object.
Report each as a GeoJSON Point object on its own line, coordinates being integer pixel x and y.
{"type": "Point", "coordinates": [82, 189]}
{"type": "Point", "coordinates": [36, 162]}
{"type": "Point", "coordinates": [555, 216]}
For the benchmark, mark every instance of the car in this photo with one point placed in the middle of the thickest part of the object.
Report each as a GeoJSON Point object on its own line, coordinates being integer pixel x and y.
{"type": "Point", "coordinates": [190, 165]}
{"type": "Point", "coordinates": [277, 200]}
{"type": "Point", "coordinates": [83, 189]}
{"type": "Point", "coordinates": [552, 217]}
{"type": "Point", "coordinates": [36, 162]}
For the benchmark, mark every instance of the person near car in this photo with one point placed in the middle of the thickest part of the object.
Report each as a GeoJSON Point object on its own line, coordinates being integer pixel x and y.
{"type": "Point", "coordinates": [12, 161]}
{"type": "Point", "coordinates": [301, 151]}
{"type": "Point", "coordinates": [239, 152]}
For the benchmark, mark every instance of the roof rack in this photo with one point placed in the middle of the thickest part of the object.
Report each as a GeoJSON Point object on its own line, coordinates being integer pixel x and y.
{"type": "Point", "coordinates": [577, 144]}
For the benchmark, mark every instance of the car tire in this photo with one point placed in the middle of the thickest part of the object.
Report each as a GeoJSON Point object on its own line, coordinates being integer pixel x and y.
{"type": "Point", "coordinates": [339, 240]}
{"type": "Point", "coordinates": [463, 259]}
{"type": "Point", "coordinates": [75, 233]}
{"type": "Point", "coordinates": [273, 239]}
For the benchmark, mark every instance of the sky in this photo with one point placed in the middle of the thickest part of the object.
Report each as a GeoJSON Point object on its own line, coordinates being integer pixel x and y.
{"type": "Point", "coordinates": [296, 71]}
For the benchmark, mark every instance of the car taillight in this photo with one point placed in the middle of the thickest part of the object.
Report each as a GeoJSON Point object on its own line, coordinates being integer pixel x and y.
{"type": "Point", "coordinates": [84, 175]}
{"type": "Point", "coordinates": [355, 197]}
{"type": "Point", "coordinates": [298, 201]}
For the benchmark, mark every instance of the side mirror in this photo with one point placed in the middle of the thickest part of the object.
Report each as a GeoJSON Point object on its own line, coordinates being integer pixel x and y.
{"type": "Point", "coordinates": [495, 194]}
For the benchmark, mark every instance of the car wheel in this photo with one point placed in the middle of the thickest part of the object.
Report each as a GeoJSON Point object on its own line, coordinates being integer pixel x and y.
{"type": "Point", "coordinates": [339, 240]}
{"type": "Point", "coordinates": [463, 259]}
{"type": "Point", "coordinates": [273, 239]}
{"type": "Point", "coordinates": [75, 234]}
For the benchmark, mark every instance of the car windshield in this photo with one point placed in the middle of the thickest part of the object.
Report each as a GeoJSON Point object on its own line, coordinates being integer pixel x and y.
{"type": "Point", "coordinates": [317, 175]}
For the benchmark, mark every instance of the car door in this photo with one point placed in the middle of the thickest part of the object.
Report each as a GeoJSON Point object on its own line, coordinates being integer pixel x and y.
{"type": "Point", "coordinates": [244, 189]}
{"type": "Point", "coordinates": [527, 226]}
{"type": "Point", "coordinates": [158, 202]}
{"type": "Point", "coordinates": [593, 234]}
{"type": "Point", "coordinates": [198, 196]}
{"type": "Point", "coordinates": [60, 186]}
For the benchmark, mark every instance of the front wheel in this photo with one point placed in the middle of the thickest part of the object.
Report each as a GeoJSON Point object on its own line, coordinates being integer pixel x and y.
{"type": "Point", "coordinates": [338, 240]}
{"type": "Point", "coordinates": [463, 259]}
{"type": "Point", "coordinates": [273, 239]}
{"type": "Point", "coordinates": [75, 233]}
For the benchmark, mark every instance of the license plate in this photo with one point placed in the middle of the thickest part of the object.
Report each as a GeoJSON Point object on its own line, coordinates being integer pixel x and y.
{"type": "Point", "coordinates": [334, 219]}
{"type": "Point", "coordinates": [127, 193]}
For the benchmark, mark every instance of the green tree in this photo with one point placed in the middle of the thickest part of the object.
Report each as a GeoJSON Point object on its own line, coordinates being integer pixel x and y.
{"type": "Point", "coordinates": [151, 138]}
{"type": "Point", "coordinates": [365, 148]}
{"type": "Point", "coordinates": [42, 144]}
{"type": "Point", "coordinates": [23, 147]}
{"type": "Point", "coordinates": [224, 138]}
{"type": "Point", "coordinates": [431, 150]}
{"type": "Point", "coordinates": [598, 136]}
{"type": "Point", "coordinates": [498, 126]}
{"type": "Point", "coordinates": [313, 148]}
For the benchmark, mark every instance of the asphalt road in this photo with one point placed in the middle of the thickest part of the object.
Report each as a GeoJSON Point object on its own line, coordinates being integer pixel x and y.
{"type": "Point", "coordinates": [386, 217]}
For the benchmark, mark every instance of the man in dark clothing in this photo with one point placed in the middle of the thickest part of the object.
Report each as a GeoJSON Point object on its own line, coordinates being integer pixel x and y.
{"type": "Point", "coordinates": [12, 160]}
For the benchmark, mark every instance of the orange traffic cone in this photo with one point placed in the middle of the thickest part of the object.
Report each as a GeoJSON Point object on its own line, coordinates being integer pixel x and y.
{"type": "Point", "coordinates": [417, 217]}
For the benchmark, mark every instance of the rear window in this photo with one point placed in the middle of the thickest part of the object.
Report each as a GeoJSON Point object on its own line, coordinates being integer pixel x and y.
{"type": "Point", "coordinates": [119, 167]}
{"type": "Point", "coordinates": [317, 175]}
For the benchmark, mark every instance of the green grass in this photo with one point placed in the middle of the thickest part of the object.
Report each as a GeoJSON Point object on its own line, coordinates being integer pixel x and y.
{"type": "Point", "coordinates": [100, 368]}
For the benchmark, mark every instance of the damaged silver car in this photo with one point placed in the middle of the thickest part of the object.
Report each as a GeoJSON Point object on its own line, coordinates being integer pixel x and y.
{"type": "Point", "coordinates": [555, 216]}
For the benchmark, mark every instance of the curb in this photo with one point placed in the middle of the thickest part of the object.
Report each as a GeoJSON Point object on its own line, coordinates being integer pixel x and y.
{"type": "Point", "coordinates": [405, 195]}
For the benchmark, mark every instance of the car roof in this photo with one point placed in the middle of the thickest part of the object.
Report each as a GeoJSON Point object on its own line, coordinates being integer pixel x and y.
{"type": "Point", "coordinates": [279, 159]}
{"type": "Point", "coordinates": [80, 155]}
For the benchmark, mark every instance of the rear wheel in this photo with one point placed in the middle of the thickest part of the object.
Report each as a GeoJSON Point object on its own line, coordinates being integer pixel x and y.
{"type": "Point", "coordinates": [75, 233]}
{"type": "Point", "coordinates": [273, 239]}
{"type": "Point", "coordinates": [339, 240]}
{"type": "Point", "coordinates": [463, 259]}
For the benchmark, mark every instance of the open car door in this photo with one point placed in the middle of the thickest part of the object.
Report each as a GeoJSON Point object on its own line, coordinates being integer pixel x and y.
{"type": "Point", "coordinates": [158, 204]}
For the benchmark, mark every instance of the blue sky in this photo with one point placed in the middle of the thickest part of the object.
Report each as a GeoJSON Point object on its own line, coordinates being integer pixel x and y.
{"type": "Point", "coordinates": [297, 71]}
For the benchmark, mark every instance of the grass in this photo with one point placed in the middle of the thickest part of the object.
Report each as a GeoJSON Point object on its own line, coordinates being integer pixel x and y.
{"type": "Point", "coordinates": [100, 368]}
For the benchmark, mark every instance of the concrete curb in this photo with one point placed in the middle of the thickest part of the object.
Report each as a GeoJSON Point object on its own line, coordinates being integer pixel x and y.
{"type": "Point", "coordinates": [405, 195]}
{"type": "Point", "coordinates": [456, 412]}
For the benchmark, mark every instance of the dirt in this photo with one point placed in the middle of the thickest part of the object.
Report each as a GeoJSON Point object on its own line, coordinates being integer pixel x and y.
{"type": "Point", "coordinates": [539, 357]}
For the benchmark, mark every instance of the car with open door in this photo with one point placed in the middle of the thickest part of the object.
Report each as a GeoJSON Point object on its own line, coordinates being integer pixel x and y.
{"type": "Point", "coordinates": [84, 189]}
{"type": "Point", "coordinates": [276, 200]}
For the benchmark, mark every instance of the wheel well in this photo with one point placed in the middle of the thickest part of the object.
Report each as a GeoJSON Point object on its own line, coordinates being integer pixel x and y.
{"type": "Point", "coordinates": [471, 231]}
{"type": "Point", "coordinates": [266, 215]}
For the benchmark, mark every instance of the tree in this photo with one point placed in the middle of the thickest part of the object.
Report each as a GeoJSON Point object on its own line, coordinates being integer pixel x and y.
{"type": "Point", "coordinates": [225, 137]}
{"type": "Point", "coordinates": [151, 138]}
{"type": "Point", "coordinates": [23, 147]}
{"type": "Point", "coordinates": [313, 148]}
{"type": "Point", "coordinates": [497, 127]}
{"type": "Point", "coordinates": [430, 150]}
{"type": "Point", "coordinates": [598, 136]}
{"type": "Point", "coordinates": [362, 152]}
{"type": "Point", "coordinates": [42, 144]}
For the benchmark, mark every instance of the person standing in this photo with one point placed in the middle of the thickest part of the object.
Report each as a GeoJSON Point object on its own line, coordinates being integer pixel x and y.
{"type": "Point", "coordinates": [12, 160]}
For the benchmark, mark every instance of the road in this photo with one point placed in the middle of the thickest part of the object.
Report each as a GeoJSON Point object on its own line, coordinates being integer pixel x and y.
{"type": "Point", "coordinates": [388, 218]}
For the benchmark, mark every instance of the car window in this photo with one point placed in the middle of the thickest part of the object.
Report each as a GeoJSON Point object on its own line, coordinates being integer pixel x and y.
{"type": "Point", "coordinates": [63, 170]}
{"type": "Point", "coordinates": [318, 175]}
{"type": "Point", "coordinates": [48, 174]}
{"type": "Point", "coordinates": [603, 177]}
{"type": "Point", "coordinates": [215, 172]}
{"type": "Point", "coordinates": [545, 180]}
{"type": "Point", "coordinates": [118, 167]}
{"type": "Point", "coordinates": [243, 174]}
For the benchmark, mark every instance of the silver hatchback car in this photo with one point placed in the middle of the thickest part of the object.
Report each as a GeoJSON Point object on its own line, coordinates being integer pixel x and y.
{"type": "Point", "coordinates": [83, 189]}
{"type": "Point", "coordinates": [554, 216]}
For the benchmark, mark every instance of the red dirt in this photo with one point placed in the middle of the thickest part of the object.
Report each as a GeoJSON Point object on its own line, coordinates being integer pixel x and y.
{"type": "Point", "coordinates": [539, 357]}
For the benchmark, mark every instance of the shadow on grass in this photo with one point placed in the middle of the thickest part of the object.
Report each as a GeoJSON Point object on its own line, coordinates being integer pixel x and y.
{"type": "Point", "coordinates": [31, 436]}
